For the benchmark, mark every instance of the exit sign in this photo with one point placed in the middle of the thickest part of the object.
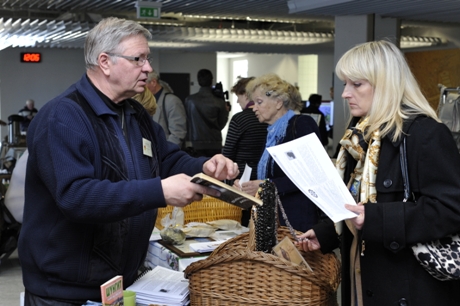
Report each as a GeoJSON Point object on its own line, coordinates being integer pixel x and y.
{"type": "Point", "coordinates": [149, 10]}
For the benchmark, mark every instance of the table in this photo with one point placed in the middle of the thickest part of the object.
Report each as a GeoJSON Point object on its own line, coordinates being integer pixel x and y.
{"type": "Point", "coordinates": [178, 257]}
{"type": "Point", "coordinates": [160, 255]}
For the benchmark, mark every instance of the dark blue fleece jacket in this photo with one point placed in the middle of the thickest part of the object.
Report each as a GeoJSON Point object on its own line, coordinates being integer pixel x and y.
{"type": "Point", "coordinates": [80, 230]}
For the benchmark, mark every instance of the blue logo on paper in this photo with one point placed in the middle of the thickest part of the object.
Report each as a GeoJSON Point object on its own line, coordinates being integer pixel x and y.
{"type": "Point", "coordinates": [312, 193]}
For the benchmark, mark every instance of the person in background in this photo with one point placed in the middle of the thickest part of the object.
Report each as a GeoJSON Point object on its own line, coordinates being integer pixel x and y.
{"type": "Point", "coordinates": [28, 113]}
{"type": "Point", "coordinates": [98, 169]}
{"type": "Point", "coordinates": [387, 106]}
{"type": "Point", "coordinates": [207, 115]}
{"type": "Point", "coordinates": [313, 108]}
{"type": "Point", "coordinates": [277, 103]}
{"type": "Point", "coordinates": [147, 100]}
{"type": "Point", "coordinates": [246, 136]}
{"type": "Point", "coordinates": [171, 112]}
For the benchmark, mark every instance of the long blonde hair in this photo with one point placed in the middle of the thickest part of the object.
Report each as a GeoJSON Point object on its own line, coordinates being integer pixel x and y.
{"type": "Point", "coordinates": [148, 101]}
{"type": "Point", "coordinates": [397, 95]}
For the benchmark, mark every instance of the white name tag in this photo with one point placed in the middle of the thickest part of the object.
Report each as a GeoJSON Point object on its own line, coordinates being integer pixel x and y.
{"type": "Point", "coordinates": [147, 147]}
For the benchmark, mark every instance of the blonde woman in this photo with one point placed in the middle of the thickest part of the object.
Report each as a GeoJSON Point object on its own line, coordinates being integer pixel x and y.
{"type": "Point", "coordinates": [386, 105]}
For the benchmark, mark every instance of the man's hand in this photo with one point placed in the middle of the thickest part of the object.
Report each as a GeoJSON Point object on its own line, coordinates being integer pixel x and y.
{"type": "Point", "coordinates": [179, 191]}
{"type": "Point", "coordinates": [221, 168]}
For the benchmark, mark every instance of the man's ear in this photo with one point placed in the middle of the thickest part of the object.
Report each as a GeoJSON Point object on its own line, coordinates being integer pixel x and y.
{"type": "Point", "coordinates": [105, 63]}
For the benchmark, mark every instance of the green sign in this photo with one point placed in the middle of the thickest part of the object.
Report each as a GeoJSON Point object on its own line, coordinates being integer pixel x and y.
{"type": "Point", "coordinates": [149, 12]}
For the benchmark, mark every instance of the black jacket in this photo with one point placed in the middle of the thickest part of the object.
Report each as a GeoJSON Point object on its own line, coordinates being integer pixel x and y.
{"type": "Point", "coordinates": [207, 115]}
{"type": "Point", "coordinates": [390, 273]}
{"type": "Point", "coordinates": [302, 213]}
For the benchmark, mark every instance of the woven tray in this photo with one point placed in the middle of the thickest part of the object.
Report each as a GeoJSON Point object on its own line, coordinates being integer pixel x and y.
{"type": "Point", "coordinates": [235, 275]}
{"type": "Point", "coordinates": [208, 209]}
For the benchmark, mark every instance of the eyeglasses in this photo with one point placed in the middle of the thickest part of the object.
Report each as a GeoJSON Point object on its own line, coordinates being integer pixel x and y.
{"type": "Point", "coordinates": [140, 61]}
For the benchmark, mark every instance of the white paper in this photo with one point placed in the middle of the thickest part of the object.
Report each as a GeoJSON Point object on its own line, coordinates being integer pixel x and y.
{"type": "Point", "coordinates": [155, 236]}
{"type": "Point", "coordinates": [246, 177]}
{"type": "Point", "coordinates": [161, 286]}
{"type": "Point", "coordinates": [307, 164]}
{"type": "Point", "coordinates": [205, 247]}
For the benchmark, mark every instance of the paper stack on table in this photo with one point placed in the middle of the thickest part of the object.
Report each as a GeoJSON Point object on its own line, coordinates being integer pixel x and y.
{"type": "Point", "coordinates": [161, 286]}
{"type": "Point", "coordinates": [205, 247]}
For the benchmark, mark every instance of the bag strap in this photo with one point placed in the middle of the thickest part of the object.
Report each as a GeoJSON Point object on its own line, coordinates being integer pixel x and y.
{"type": "Point", "coordinates": [294, 132]}
{"type": "Point", "coordinates": [405, 174]}
{"type": "Point", "coordinates": [164, 109]}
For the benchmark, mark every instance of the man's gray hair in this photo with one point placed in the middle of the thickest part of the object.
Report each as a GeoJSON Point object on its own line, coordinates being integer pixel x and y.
{"type": "Point", "coordinates": [107, 35]}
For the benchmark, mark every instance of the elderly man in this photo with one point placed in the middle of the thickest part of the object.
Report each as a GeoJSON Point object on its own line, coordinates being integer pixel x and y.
{"type": "Point", "coordinates": [170, 113]}
{"type": "Point", "coordinates": [98, 169]}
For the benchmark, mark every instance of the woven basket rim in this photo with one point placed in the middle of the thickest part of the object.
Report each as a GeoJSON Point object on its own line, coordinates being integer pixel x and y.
{"type": "Point", "coordinates": [222, 255]}
{"type": "Point", "coordinates": [240, 299]}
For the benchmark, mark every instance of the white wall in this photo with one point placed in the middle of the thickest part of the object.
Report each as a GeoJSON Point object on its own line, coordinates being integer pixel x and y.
{"type": "Point", "coordinates": [62, 67]}
{"type": "Point", "coordinates": [284, 65]}
{"type": "Point", "coordinates": [181, 62]}
{"type": "Point", "coordinates": [39, 81]}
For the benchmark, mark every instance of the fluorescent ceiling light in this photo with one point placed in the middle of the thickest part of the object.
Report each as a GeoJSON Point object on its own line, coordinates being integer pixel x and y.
{"type": "Point", "coordinates": [419, 41]}
{"type": "Point", "coordinates": [296, 6]}
{"type": "Point", "coordinates": [173, 44]}
{"type": "Point", "coordinates": [230, 55]}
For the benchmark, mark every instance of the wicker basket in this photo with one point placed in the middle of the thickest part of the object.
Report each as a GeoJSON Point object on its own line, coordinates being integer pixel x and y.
{"type": "Point", "coordinates": [235, 275]}
{"type": "Point", "coordinates": [208, 209]}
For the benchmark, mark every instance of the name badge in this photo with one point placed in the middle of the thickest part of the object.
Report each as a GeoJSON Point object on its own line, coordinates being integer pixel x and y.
{"type": "Point", "coordinates": [147, 147]}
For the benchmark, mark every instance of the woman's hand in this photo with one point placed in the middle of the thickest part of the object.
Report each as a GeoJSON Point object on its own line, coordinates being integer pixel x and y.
{"type": "Point", "coordinates": [358, 221]}
{"type": "Point", "coordinates": [250, 187]}
{"type": "Point", "coordinates": [236, 184]}
{"type": "Point", "coordinates": [308, 241]}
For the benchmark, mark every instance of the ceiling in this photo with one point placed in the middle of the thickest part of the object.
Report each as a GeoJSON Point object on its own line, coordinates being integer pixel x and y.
{"type": "Point", "coordinates": [268, 26]}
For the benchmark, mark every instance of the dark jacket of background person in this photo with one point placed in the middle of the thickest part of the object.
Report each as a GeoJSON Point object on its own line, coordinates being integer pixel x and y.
{"type": "Point", "coordinates": [206, 117]}
{"type": "Point", "coordinates": [390, 273]}
{"type": "Point", "coordinates": [313, 108]}
{"type": "Point", "coordinates": [245, 141]}
{"type": "Point", "coordinates": [302, 212]}
{"type": "Point", "coordinates": [56, 243]}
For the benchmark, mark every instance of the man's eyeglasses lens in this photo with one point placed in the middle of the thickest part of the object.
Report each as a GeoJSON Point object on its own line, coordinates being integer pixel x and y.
{"type": "Point", "coordinates": [140, 61]}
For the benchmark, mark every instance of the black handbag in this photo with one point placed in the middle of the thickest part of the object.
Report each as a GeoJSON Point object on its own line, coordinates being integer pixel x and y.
{"type": "Point", "coordinates": [440, 258]}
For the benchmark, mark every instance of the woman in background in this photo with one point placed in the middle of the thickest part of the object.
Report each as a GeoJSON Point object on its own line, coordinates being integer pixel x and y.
{"type": "Point", "coordinates": [386, 105]}
{"type": "Point", "coordinates": [277, 103]}
{"type": "Point", "coordinates": [246, 136]}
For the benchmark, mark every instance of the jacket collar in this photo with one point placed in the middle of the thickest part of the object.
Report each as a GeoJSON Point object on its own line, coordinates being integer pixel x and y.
{"type": "Point", "coordinates": [406, 127]}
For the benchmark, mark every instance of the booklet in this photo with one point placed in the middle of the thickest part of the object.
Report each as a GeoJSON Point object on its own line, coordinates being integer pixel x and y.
{"type": "Point", "coordinates": [112, 291]}
{"type": "Point", "coordinates": [286, 250]}
{"type": "Point", "coordinates": [229, 193]}
{"type": "Point", "coordinates": [306, 163]}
